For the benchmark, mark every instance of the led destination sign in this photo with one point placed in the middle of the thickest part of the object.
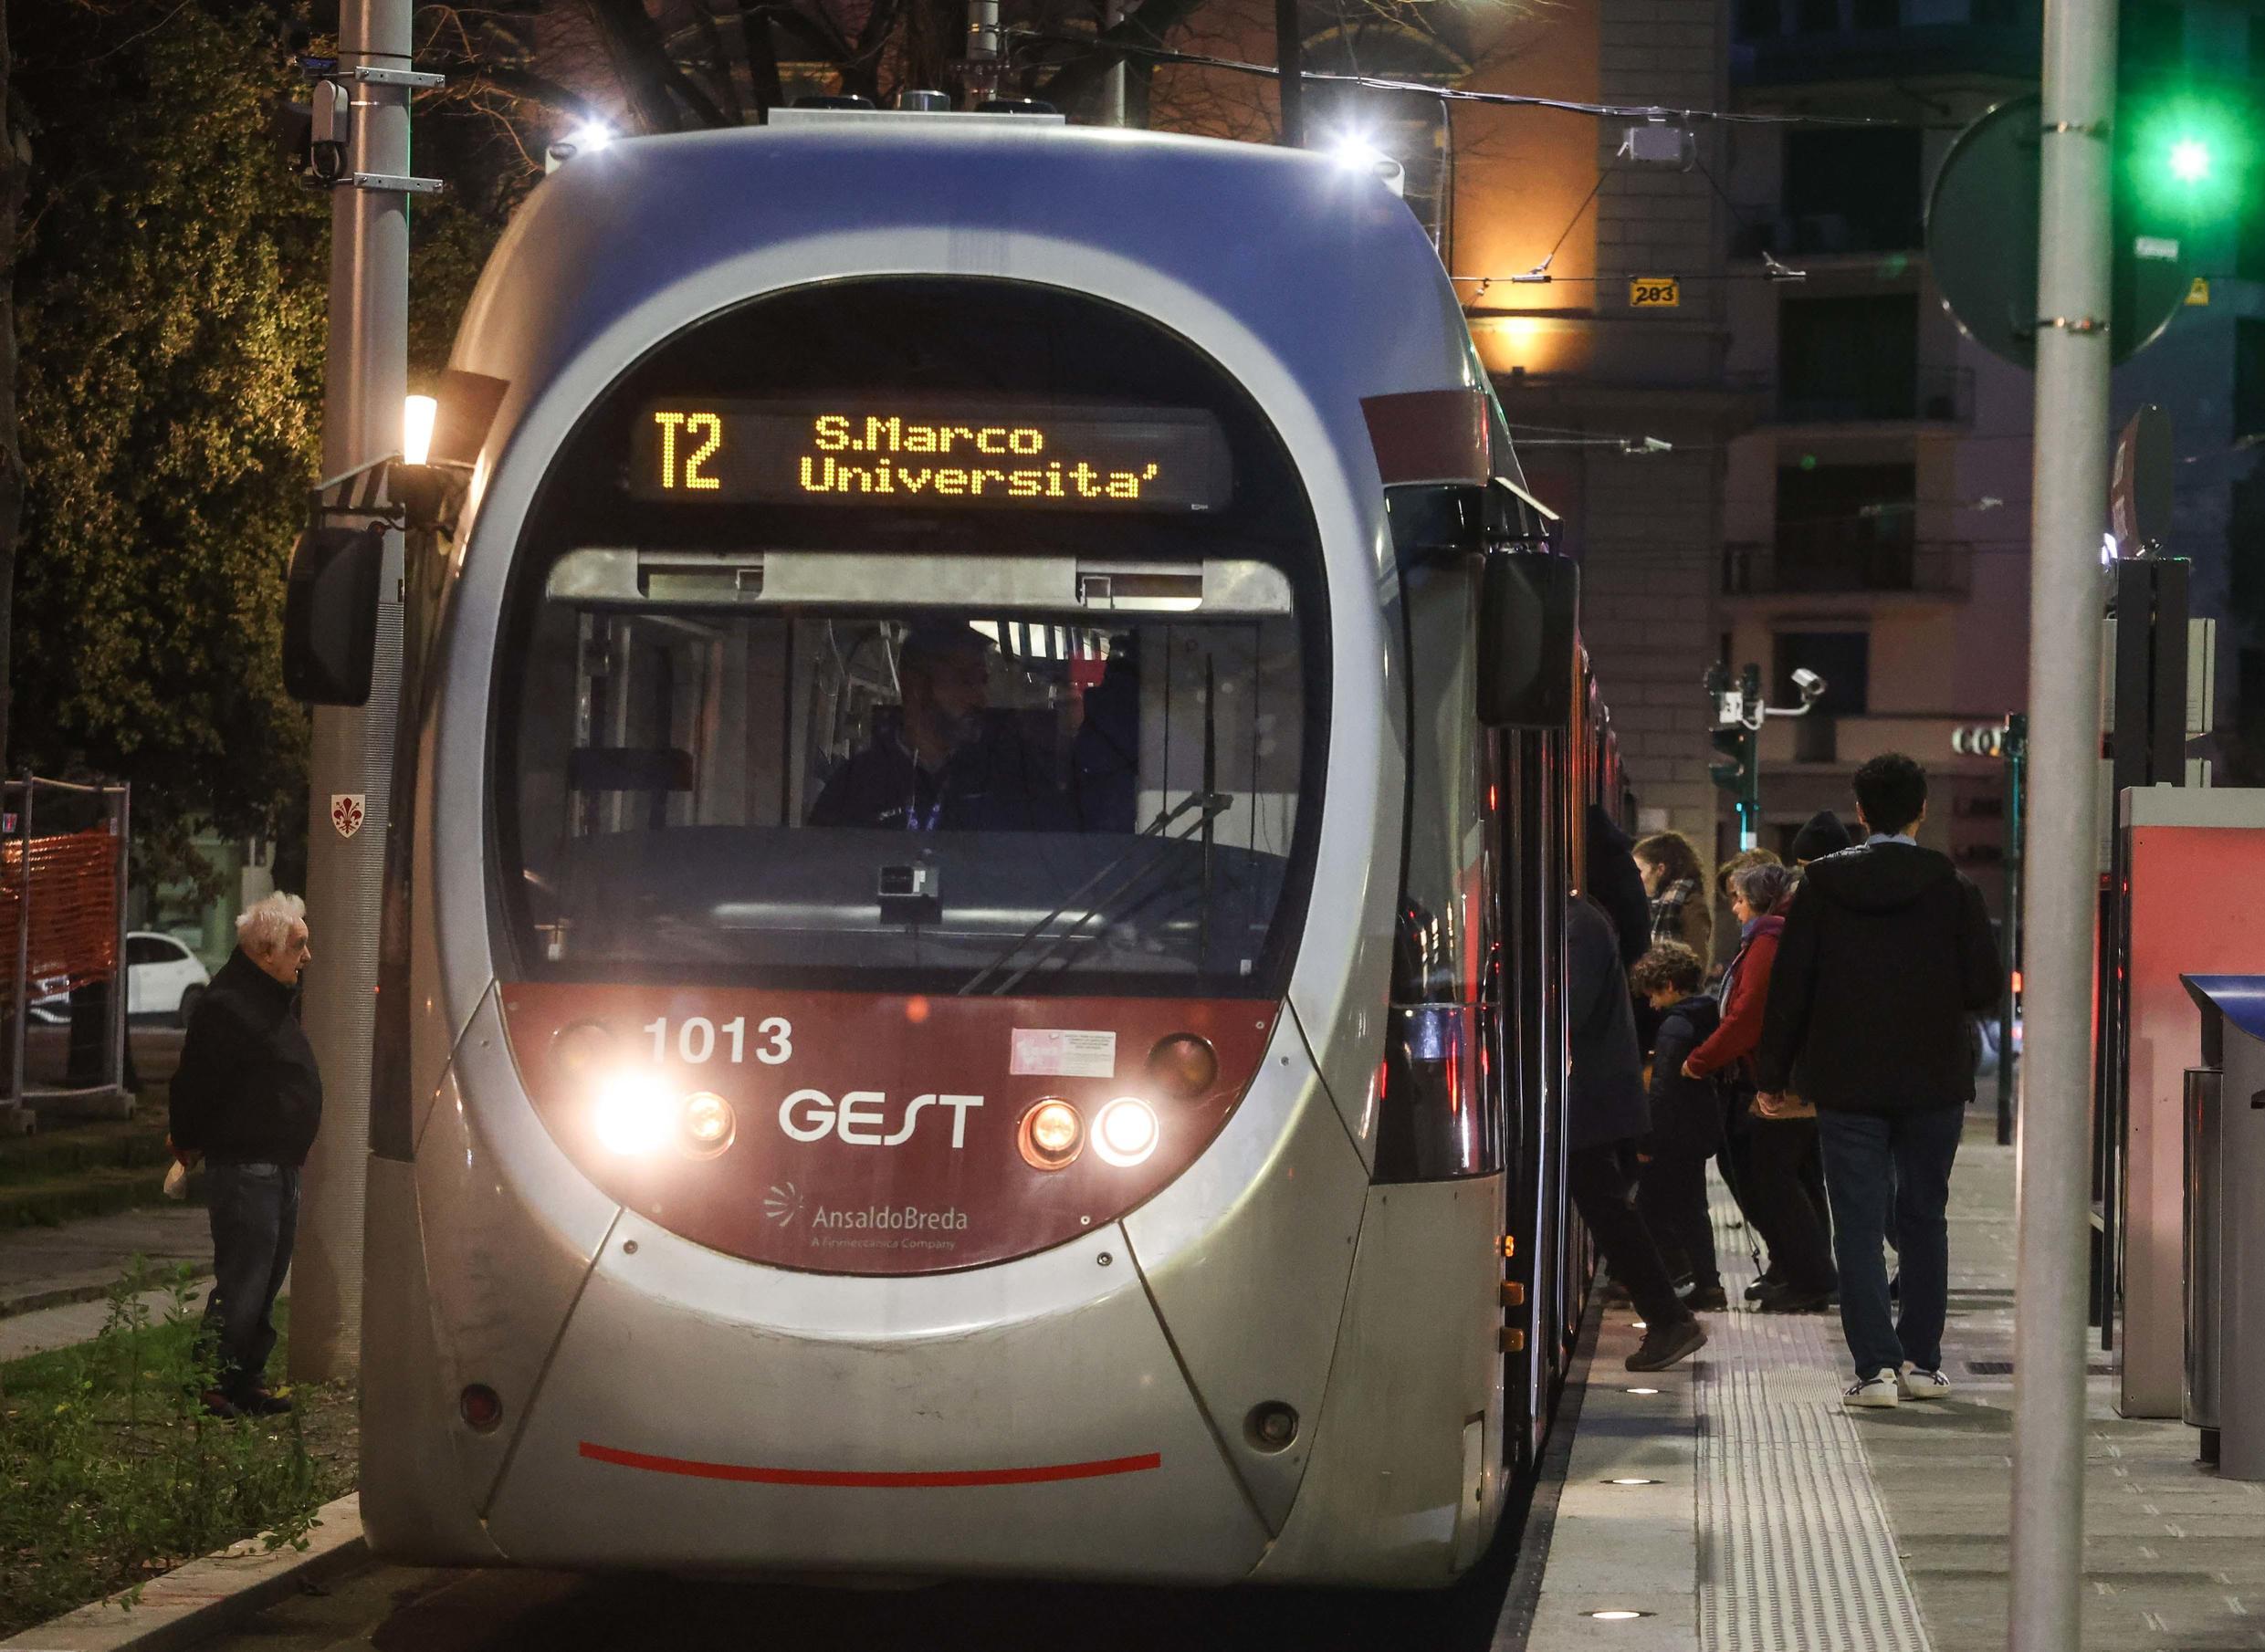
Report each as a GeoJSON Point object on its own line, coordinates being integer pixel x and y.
{"type": "Point", "coordinates": [907, 453]}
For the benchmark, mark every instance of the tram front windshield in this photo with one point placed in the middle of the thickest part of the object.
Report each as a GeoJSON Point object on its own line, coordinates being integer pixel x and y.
{"type": "Point", "coordinates": [927, 800]}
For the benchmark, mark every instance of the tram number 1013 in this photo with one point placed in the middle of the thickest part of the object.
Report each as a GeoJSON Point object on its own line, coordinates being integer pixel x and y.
{"type": "Point", "coordinates": [697, 1040]}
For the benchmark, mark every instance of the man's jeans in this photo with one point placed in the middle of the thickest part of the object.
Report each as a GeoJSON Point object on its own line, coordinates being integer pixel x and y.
{"type": "Point", "coordinates": [255, 1217]}
{"type": "Point", "coordinates": [1871, 1162]}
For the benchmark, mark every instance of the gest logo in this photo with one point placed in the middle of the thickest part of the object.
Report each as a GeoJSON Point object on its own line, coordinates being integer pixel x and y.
{"type": "Point", "coordinates": [811, 1115]}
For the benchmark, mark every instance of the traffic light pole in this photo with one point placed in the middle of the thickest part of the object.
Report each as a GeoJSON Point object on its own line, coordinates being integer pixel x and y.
{"type": "Point", "coordinates": [351, 759]}
{"type": "Point", "coordinates": [2069, 491]}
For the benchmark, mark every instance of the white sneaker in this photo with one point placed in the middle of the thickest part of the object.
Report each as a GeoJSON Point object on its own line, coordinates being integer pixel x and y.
{"type": "Point", "coordinates": [1879, 1389]}
{"type": "Point", "coordinates": [1916, 1384]}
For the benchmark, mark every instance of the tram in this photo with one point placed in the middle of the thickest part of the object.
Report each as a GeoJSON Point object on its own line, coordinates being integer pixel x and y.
{"type": "Point", "coordinates": [970, 977]}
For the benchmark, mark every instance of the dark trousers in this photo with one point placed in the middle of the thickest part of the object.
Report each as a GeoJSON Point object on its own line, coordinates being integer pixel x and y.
{"type": "Point", "coordinates": [1873, 1163]}
{"type": "Point", "coordinates": [1598, 1185]}
{"type": "Point", "coordinates": [1781, 1160]}
{"type": "Point", "coordinates": [255, 1217]}
{"type": "Point", "coordinates": [1671, 1197]}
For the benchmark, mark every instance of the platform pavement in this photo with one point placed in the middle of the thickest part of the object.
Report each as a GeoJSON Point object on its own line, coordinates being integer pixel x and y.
{"type": "Point", "coordinates": [1780, 1522]}
{"type": "Point", "coordinates": [53, 1281]}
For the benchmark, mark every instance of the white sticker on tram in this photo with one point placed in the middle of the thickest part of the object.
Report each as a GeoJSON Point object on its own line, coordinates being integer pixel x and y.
{"type": "Point", "coordinates": [811, 1115]}
{"type": "Point", "coordinates": [1048, 1053]}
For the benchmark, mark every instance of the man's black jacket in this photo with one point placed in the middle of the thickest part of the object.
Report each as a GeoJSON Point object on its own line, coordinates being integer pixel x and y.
{"type": "Point", "coordinates": [1885, 954]}
{"type": "Point", "coordinates": [1604, 1096]}
{"type": "Point", "coordinates": [247, 1091]}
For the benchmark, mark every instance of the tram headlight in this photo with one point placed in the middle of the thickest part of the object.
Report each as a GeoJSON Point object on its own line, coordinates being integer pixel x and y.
{"type": "Point", "coordinates": [1183, 1064]}
{"type": "Point", "coordinates": [633, 1113]}
{"type": "Point", "coordinates": [1126, 1133]}
{"type": "Point", "coordinates": [578, 1049]}
{"type": "Point", "coordinates": [707, 1123]}
{"type": "Point", "coordinates": [1051, 1134]}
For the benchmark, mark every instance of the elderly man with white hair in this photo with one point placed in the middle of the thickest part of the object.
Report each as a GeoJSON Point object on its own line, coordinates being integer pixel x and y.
{"type": "Point", "coordinates": [247, 1099]}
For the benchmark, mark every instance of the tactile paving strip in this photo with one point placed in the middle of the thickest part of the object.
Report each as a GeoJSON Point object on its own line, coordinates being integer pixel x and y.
{"type": "Point", "coordinates": [1795, 1552]}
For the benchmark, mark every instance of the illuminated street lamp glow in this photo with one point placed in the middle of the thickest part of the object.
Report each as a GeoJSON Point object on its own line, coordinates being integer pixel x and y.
{"type": "Point", "coordinates": [2190, 160]}
{"type": "Point", "coordinates": [589, 135]}
{"type": "Point", "coordinates": [417, 414]}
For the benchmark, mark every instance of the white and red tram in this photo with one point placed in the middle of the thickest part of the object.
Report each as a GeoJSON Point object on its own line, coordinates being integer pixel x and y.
{"type": "Point", "coordinates": [971, 949]}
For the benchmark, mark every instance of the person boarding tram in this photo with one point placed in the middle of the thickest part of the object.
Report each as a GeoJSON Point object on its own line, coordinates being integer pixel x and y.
{"type": "Point", "coordinates": [1779, 1135]}
{"type": "Point", "coordinates": [1605, 1118]}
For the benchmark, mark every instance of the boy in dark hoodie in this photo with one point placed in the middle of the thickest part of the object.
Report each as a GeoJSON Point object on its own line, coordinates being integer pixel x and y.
{"type": "Point", "coordinates": [1686, 1118]}
{"type": "Point", "coordinates": [1887, 952]}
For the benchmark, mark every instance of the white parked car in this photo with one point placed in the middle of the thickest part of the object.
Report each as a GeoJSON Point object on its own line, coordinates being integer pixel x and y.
{"type": "Point", "coordinates": [163, 978]}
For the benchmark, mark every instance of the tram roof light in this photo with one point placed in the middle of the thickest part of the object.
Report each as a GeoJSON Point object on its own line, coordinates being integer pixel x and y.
{"type": "Point", "coordinates": [417, 415]}
{"type": "Point", "coordinates": [586, 139]}
{"type": "Point", "coordinates": [1355, 153]}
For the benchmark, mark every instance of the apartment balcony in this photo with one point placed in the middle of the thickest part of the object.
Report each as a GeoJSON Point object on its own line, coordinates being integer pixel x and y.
{"type": "Point", "coordinates": [1841, 560]}
{"type": "Point", "coordinates": [1927, 395]}
{"type": "Point", "coordinates": [1844, 743]}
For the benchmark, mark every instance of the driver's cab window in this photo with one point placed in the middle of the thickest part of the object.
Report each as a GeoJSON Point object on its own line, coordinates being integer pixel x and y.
{"type": "Point", "coordinates": [801, 759]}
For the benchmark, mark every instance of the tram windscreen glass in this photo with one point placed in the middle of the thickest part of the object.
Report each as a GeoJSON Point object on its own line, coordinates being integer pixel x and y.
{"type": "Point", "coordinates": [919, 801]}
{"type": "Point", "coordinates": [914, 451]}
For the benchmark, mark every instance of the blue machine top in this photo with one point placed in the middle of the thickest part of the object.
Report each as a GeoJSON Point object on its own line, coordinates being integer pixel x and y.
{"type": "Point", "coordinates": [2240, 998]}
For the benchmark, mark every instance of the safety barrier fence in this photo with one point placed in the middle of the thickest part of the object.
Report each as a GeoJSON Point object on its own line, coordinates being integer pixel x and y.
{"type": "Point", "coordinates": [64, 860]}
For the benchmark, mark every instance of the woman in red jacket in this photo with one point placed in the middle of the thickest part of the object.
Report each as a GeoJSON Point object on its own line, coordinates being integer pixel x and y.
{"type": "Point", "coordinates": [1801, 1252]}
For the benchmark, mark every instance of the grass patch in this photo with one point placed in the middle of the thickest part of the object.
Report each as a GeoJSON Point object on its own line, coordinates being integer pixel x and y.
{"type": "Point", "coordinates": [110, 1473]}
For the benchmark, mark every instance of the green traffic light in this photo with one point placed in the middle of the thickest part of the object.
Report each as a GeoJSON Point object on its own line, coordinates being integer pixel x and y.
{"type": "Point", "coordinates": [2190, 160]}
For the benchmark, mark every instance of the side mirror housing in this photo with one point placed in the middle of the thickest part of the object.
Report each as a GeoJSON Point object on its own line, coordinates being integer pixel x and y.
{"type": "Point", "coordinates": [329, 615]}
{"type": "Point", "coordinates": [1530, 620]}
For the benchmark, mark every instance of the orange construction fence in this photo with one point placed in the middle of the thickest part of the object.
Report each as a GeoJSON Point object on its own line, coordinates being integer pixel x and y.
{"type": "Point", "coordinates": [74, 909]}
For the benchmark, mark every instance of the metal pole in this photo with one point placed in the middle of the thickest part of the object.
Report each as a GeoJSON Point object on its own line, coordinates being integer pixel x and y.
{"type": "Point", "coordinates": [2017, 762]}
{"type": "Point", "coordinates": [1290, 65]}
{"type": "Point", "coordinates": [352, 750]}
{"type": "Point", "coordinates": [2069, 492]}
{"type": "Point", "coordinates": [1112, 110]}
{"type": "Point", "coordinates": [986, 45]}
{"type": "Point", "coordinates": [1750, 784]}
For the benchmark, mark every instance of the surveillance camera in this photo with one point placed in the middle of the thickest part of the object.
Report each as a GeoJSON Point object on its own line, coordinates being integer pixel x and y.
{"type": "Point", "coordinates": [1811, 686]}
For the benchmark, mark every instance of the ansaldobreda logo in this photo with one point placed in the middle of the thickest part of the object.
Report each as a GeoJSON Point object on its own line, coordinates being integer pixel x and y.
{"type": "Point", "coordinates": [782, 1204]}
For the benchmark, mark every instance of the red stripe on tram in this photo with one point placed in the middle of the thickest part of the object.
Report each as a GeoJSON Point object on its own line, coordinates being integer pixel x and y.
{"type": "Point", "coordinates": [1039, 1475]}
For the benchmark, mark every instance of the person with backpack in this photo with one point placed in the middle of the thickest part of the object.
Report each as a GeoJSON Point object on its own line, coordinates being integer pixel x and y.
{"type": "Point", "coordinates": [1687, 1119]}
{"type": "Point", "coordinates": [1887, 951]}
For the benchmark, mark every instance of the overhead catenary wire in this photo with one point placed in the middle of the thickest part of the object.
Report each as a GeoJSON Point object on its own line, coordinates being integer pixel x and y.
{"type": "Point", "coordinates": [1452, 94]}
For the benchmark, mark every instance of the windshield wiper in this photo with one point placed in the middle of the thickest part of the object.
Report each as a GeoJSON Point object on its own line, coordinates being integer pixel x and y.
{"type": "Point", "coordinates": [1212, 804]}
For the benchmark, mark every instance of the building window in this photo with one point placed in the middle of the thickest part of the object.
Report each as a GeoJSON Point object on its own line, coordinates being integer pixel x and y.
{"type": "Point", "coordinates": [1853, 189]}
{"type": "Point", "coordinates": [1843, 658]}
{"type": "Point", "coordinates": [1845, 528]}
{"type": "Point", "coordinates": [1849, 358]}
{"type": "Point", "coordinates": [1818, 16]}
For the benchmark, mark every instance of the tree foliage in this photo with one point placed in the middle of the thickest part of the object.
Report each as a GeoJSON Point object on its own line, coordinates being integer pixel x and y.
{"type": "Point", "coordinates": [170, 294]}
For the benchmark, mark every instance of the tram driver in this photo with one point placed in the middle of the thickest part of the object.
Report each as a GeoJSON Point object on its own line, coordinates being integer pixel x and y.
{"type": "Point", "coordinates": [941, 763]}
